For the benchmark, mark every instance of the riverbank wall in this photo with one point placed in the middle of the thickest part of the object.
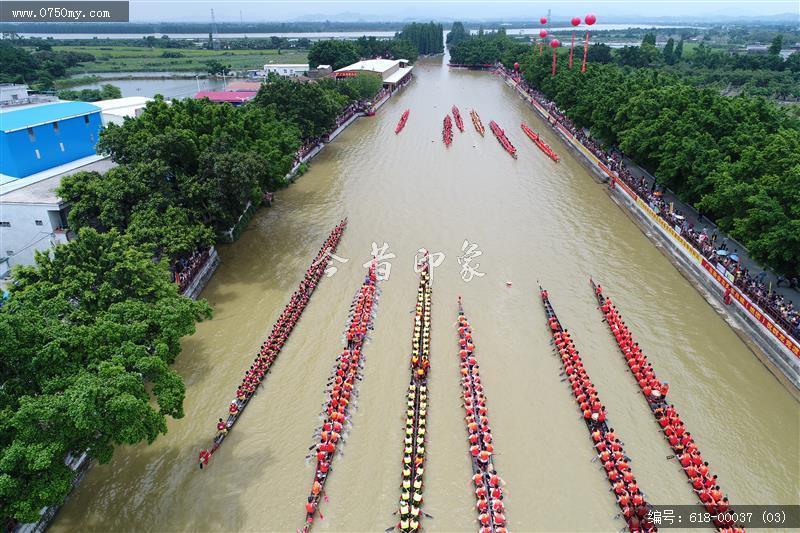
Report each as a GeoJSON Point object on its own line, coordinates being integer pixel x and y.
{"type": "Point", "coordinates": [779, 352]}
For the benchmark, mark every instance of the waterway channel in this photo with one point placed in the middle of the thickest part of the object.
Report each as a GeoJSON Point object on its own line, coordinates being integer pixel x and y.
{"type": "Point", "coordinates": [533, 220]}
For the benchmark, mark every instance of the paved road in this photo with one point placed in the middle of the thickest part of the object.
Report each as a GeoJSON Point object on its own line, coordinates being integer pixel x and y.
{"type": "Point", "coordinates": [701, 222]}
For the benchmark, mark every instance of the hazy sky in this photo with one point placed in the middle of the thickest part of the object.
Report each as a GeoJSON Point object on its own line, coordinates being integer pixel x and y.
{"type": "Point", "coordinates": [272, 10]}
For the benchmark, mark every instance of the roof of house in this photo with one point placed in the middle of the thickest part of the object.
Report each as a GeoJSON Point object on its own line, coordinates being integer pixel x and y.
{"type": "Point", "coordinates": [244, 86]}
{"type": "Point", "coordinates": [27, 117]}
{"type": "Point", "coordinates": [123, 107]}
{"type": "Point", "coordinates": [122, 103]}
{"type": "Point", "coordinates": [226, 96]}
{"type": "Point", "coordinates": [372, 65]}
{"type": "Point", "coordinates": [397, 75]}
{"type": "Point", "coordinates": [40, 188]}
{"type": "Point", "coordinates": [287, 65]}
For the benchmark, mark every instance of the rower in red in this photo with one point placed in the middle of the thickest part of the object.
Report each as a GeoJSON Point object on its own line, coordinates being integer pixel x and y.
{"type": "Point", "coordinates": [221, 428]}
{"type": "Point", "coordinates": [203, 458]}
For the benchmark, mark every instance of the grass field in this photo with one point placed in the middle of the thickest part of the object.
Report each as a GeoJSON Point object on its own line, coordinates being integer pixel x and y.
{"type": "Point", "coordinates": [140, 59]}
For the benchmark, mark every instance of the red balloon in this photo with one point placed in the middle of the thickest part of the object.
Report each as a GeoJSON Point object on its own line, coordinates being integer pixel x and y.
{"type": "Point", "coordinates": [576, 21]}
{"type": "Point", "coordinates": [542, 33]}
{"type": "Point", "coordinates": [543, 20]}
{"type": "Point", "coordinates": [590, 19]}
{"type": "Point", "coordinates": [516, 66]}
{"type": "Point", "coordinates": [554, 43]}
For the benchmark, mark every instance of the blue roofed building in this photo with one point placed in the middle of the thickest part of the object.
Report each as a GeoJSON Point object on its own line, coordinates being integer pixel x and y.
{"type": "Point", "coordinates": [39, 137]}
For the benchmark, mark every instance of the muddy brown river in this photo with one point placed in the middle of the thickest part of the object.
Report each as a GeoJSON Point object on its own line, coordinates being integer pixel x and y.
{"type": "Point", "coordinates": [532, 220]}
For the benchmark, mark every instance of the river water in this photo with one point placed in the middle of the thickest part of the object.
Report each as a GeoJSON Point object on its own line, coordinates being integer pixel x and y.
{"type": "Point", "coordinates": [533, 220]}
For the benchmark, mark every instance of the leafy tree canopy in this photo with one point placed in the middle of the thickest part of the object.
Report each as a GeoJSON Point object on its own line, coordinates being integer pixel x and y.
{"type": "Point", "coordinates": [86, 338]}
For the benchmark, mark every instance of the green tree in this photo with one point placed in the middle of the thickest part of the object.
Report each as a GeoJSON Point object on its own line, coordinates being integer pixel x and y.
{"type": "Point", "coordinates": [793, 62]}
{"type": "Point", "coordinates": [364, 86]}
{"type": "Point", "coordinates": [215, 68]}
{"type": "Point", "coordinates": [679, 50]}
{"type": "Point", "coordinates": [598, 53]}
{"type": "Point", "coordinates": [338, 54]}
{"type": "Point", "coordinates": [108, 92]}
{"type": "Point", "coordinates": [457, 34]}
{"type": "Point", "coordinates": [427, 38]}
{"type": "Point", "coordinates": [310, 106]}
{"type": "Point", "coordinates": [777, 45]}
{"type": "Point", "coordinates": [669, 52]}
{"type": "Point", "coordinates": [16, 64]}
{"type": "Point", "coordinates": [88, 334]}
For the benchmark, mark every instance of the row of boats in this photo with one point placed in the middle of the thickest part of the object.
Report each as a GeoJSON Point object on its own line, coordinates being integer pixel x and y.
{"type": "Point", "coordinates": [342, 389]}
{"type": "Point", "coordinates": [703, 482]}
{"type": "Point", "coordinates": [272, 346]}
{"type": "Point", "coordinates": [402, 122]}
{"type": "Point", "coordinates": [630, 499]}
{"type": "Point", "coordinates": [543, 146]}
{"type": "Point", "coordinates": [502, 139]}
{"type": "Point", "coordinates": [416, 407]}
{"type": "Point", "coordinates": [347, 371]}
{"type": "Point", "coordinates": [488, 485]}
{"type": "Point", "coordinates": [447, 132]}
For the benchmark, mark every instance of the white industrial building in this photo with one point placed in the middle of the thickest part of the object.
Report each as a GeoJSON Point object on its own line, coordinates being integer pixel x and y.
{"type": "Point", "coordinates": [33, 217]}
{"type": "Point", "coordinates": [286, 69]}
{"type": "Point", "coordinates": [12, 94]}
{"type": "Point", "coordinates": [115, 111]}
{"type": "Point", "coordinates": [393, 72]}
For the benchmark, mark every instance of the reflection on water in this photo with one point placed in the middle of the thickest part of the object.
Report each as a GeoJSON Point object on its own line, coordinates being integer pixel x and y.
{"type": "Point", "coordinates": [533, 220]}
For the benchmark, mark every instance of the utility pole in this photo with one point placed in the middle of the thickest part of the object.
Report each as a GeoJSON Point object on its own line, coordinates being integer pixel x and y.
{"type": "Point", "coordinates": [214, 44]}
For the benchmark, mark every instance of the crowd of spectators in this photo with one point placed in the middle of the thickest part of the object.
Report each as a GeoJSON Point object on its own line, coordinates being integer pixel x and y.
{"type": "Point", "coordinates": [781, 309]}
{"type": "Point", "coordinates": [184, 270]}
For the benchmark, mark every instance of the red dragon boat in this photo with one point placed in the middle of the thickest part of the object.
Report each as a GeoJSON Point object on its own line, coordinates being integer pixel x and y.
{"type": "Point", "coordinates": [447, 131]}
{"type": "Point", "coordinates": [457, 117]}
{"type": "Point", "coordinates": [539, 142]}
{"type": "Point", "coordinates": [402, 123]}
{"type": "Point", "coordinates": [502, 139]}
